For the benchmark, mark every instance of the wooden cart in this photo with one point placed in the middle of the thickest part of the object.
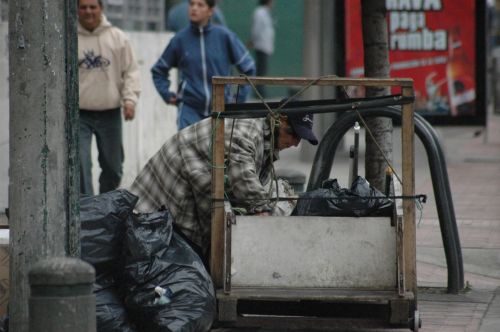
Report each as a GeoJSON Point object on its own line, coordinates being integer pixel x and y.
{"type": "Point", "coordinates": [315, 272]}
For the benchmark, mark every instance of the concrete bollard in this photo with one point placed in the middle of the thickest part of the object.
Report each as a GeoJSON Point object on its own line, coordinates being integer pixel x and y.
{"type": "Point", "coordinates": [62, 296]}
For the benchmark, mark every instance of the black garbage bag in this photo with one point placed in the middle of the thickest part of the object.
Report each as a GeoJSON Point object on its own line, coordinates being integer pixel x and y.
{"type": "Point", "coordinates": [111, 314]}
{"type": "Point", "coordinates": [103, 224]}
{"type": "Point", "coordinates": [331, 200]}
{"type": "Point", "coordinates": [4, 324]}
{"type": "Point", "coordinates": [103, 228]}
{"type": "Point", "coordinates": [147, 235]}
{"type": "Point", "coordinates": [188, 300]}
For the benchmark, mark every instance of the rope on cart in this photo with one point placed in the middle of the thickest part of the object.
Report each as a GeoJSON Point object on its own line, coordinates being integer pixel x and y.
{"type": "Point", "coordinates": [210, 146]}
{"type": "Point", "coordinates": [273, 117]}
{"type": "Point", "coordinates": [367, 128]}
{"type": "Point", "coordinates": [389, 164]}
{"type": "Point", "coordinates": [419, 198]}
{"type": "Point", "coordinates": [274, 122]}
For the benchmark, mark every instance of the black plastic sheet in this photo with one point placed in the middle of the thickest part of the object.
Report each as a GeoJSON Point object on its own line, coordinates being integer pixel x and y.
{"type": "Point", "coordinates": [135, 253]}
{"type": "Point", "coordinates": [102, 221]}
{"type": "Point", "coordinates": [103, 224]}
{"type": "Point", "coordinates": [331, 200]}
{"type": "Point", "coordinates": [148, 234]}
{"type": "Point", "coordinates": [178, 269]}
{"type": "Point", "coordinates": [111, 314]}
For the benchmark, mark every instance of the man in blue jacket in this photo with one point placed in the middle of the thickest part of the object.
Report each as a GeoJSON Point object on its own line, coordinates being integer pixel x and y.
{"type": "Point", "coordinates": [199, 52]}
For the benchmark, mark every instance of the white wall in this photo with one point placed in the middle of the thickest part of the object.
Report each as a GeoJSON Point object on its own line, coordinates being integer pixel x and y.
{"type": "Point", "coordinates": [154, 122]}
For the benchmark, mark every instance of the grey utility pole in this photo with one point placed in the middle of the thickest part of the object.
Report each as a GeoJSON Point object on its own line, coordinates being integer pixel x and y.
{"type": "Point", "coordinates": [43, 173]}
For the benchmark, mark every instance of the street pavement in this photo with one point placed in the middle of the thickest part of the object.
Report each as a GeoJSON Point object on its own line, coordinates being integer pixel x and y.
{"type": "Point", "coordinates": [473, 160]}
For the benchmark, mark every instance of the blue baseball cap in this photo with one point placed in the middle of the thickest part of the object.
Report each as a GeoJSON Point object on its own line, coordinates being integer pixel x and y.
{"type": "Point", "coordinates": [302, 124]}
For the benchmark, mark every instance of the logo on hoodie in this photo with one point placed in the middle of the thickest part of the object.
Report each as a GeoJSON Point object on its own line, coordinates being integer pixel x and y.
{"type": "Point", "coordinates": [92, 61]}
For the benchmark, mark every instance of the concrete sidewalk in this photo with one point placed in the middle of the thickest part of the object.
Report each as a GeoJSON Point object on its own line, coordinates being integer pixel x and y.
{"type": "Point", "coordinates": [473, 160]}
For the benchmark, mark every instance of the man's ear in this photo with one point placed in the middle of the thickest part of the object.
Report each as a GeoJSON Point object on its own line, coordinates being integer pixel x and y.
{"type": "Point", "coordinates": [283, 119]}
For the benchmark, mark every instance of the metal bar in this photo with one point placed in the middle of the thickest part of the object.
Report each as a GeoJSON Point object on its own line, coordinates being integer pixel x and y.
{"type": "Point", "coordinates": [355, 154]}
{"type": "Point", "coordinates": [327, 80]}
{"type": "Point", "coordinates": [252, 112]}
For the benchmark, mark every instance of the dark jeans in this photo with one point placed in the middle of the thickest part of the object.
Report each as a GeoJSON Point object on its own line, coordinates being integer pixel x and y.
{"type": "Point", "coordinates": [107, 128]}
{"type": "Point", "coordinates": [261, 66]}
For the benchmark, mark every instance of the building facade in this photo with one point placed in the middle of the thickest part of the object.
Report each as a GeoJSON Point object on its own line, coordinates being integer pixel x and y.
{"type": "Point", "coordinates": [136, 15]}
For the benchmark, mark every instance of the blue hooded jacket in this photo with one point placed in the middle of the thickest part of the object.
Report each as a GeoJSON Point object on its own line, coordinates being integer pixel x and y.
{"type": "Point", "coordinates": [200, 53]}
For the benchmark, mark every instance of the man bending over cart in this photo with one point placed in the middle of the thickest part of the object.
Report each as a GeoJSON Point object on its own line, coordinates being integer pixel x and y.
{"type": "Point", "coordinates": [179, 175]}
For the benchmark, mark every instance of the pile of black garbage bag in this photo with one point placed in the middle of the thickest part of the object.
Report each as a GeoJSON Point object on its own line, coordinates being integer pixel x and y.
{"type": "Point", "coordinates": [147, 277]}
{"type": "Point", "coordinates": [359, 200]}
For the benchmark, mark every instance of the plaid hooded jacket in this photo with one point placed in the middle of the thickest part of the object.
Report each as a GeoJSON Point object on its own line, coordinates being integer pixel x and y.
{"type": "Point", "coordinates": [179, 175]}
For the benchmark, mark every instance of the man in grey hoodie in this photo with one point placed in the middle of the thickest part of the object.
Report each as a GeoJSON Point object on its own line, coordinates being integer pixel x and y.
{"type": "Point", "coordinates": [109, 81]}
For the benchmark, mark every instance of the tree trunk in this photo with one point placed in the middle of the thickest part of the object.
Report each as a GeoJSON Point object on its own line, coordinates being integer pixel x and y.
{"type": "Point", "coordinates": [376, 58]}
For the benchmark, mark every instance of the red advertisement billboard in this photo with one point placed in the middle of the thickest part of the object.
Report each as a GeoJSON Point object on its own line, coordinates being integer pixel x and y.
{"type": "Point", "coordinates": [431, 41]}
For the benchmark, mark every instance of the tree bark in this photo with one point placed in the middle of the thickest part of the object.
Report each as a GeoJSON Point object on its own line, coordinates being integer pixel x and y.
{"type": "Point", "coordinates": [376, 59]}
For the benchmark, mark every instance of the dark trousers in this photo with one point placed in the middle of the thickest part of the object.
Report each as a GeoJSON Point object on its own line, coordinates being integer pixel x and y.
{"type": "Point", "coordinates": [107, 128]}
{"type": "Point", "coordinates": [261, 66]}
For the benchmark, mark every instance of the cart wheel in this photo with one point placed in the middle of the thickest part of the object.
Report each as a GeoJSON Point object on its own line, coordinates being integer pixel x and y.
{"type": "Point", "coordinates": [417, 322]}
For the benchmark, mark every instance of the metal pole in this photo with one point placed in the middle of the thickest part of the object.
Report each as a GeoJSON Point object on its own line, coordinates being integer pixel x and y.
{"type": "Point", "coordinates": [494, 85]}
{"type": "Point", "coordinates": [354, 154]}
{"type": "Point", "coordinates": [43, 173]}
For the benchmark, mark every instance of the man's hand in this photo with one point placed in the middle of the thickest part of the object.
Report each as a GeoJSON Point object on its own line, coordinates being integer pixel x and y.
{"type": "Point", "coordinates": [263, 214]}
{"type": "Point", "coordinates": [128, 110]}
{"type": "Point", "coordinates": [172, 100]}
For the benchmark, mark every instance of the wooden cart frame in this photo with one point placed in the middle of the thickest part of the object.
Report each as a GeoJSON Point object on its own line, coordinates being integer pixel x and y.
{"type": "Point", "coordinates": [402, 301]}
